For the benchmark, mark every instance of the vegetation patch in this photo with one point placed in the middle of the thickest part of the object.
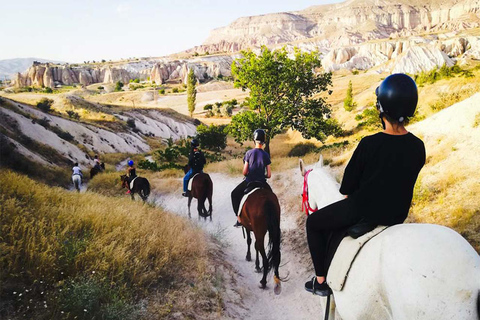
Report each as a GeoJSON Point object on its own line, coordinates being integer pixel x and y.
{"type": "Point", "coordinates": [67, 255]}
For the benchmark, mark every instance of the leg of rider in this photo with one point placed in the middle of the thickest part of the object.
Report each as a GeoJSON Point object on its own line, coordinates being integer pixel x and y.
{"type": "Point", "coordinates": [237, 195]}
{"type": "Point", "coordinates": [319, 224]}
{"type": "Point", "coordinates": [187, 177]}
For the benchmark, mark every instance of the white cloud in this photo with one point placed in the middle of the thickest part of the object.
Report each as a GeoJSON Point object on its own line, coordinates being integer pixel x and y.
{"type": "Point", "coordinates": [123, 7]}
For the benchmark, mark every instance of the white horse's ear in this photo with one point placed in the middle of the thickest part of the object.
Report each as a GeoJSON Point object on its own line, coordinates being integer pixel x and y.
{"type": "Point", "coordinates": [319, 164]}
{"type": "Point", "coordinates": [302, 167]}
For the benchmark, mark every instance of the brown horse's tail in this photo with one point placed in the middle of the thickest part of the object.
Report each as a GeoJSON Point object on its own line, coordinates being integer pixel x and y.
{"type": "Point", "coordinates": [273, 227]}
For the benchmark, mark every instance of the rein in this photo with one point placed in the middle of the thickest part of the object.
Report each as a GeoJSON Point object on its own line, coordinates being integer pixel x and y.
{"type": "Point", "coordinates": [305, 205]}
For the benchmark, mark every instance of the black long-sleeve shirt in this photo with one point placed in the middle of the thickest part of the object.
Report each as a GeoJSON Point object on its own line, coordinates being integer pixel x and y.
{"type": "Point", "coordinates": [381, 175]}
{"type": "Point", "coordinates": [196, 160]}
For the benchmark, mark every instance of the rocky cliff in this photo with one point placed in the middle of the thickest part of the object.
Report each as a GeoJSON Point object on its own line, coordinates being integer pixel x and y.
{"type": "Point", "coordinates": [348, 23]}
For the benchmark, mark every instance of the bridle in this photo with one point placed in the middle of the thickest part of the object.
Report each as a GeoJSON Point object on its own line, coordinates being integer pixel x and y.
{"type": "Point", "coordinates": [305, 205]}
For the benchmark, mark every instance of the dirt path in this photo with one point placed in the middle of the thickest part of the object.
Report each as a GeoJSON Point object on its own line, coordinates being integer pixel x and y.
{"type": "Point", "coordinates": [245, 300]}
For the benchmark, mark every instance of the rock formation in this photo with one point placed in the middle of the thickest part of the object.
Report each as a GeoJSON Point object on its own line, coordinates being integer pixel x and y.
{"type": "Point", "coordinates": [344, 24]}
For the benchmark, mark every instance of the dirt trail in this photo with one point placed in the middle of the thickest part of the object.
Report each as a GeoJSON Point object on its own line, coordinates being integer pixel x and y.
{"type": "Point", "coordinates": [245, 300]}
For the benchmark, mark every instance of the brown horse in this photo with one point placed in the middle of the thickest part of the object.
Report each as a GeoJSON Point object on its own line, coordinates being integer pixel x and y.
{"type": "Point", "coordinates": [261, 213]}
{"type": "Point", "coordinates": [140, 186]}
{"type": "Point", "coordinates": [202, 189]}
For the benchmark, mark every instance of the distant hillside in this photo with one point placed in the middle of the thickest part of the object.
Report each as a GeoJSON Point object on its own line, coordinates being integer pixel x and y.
{"type": "Point", "coordinates": [9, 67]}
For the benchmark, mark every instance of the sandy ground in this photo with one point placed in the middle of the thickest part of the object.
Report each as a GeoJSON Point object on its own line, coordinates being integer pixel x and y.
{"type": "Point", "coordinates": [244, 299]}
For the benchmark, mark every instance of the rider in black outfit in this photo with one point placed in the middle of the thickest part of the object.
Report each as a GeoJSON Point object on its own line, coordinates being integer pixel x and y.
{"type": "Point", "coordinates": [379, 179]}
{"type": "Point", "coordinates": [196, 162]}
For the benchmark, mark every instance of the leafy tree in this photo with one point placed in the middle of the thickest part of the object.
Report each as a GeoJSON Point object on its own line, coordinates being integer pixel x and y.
{"type": "Point", "coordinates": [284, 93]}
{"type": "Point", "coordinates": [191, 91]}
{"type": "Point", "coordinates": [212, 137]}
{"type": "Point", "coordinates": [118, 86]}
{"type": "Point", "coordinates": [348, 103]}
{"type": "Point", "coordinates": [208, 106]}
{"type": "Point", "coordinates": [45, 104]}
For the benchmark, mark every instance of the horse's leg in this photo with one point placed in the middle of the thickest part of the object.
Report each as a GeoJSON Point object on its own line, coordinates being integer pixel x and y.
{"type": "Point", "coordinates": [257, 263]}
{"type": "Point", "coordinates": [189, 203]}
{"type": "Point", "coordinates": [249, 242]}
{"type": "Point", "coordinates": [259, 245]}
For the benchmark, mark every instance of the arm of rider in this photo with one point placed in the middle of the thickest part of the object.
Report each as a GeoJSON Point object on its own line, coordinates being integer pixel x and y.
{"type": "Point", "coordinates": [269, 172]}
{"type": "Point", "coordinates": [245, 168]}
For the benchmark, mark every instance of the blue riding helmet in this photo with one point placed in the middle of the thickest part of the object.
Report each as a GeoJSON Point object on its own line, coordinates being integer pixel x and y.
{"type": "Point", "coordinates": [130, 163]}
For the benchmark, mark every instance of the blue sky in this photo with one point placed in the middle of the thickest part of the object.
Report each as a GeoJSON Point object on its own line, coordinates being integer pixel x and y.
{"type": "Point", "coordinates": [76, 31]}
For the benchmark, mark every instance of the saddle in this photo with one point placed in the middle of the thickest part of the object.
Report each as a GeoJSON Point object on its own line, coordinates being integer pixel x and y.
{"type": "Point", "coordinates": [190, 182]}
{"type": "Point", "coordinates": [342, 249]}
{"type": "Point", "coordinates": [254, 185]}
{"type": "Point", "coordinates": [131, 182]}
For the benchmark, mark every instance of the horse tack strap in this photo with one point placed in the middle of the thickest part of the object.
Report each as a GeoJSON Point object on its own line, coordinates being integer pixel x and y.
{"type": "Point", "coordinates": [190, 182]}
{"type": "Point", "coordinates": [345, 256]}
{"type": "Point", "coordinates": [305, 204]}
{"type": "Point", "coordinates": [131, 182]}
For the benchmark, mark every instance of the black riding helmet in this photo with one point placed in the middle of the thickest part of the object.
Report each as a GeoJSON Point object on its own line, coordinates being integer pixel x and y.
{"type": "Point", "coordinates": [259, 135]}
{"type": "Point", "coordinates": [397, 96]}
{"type": "Point", "coordinates": [194, 143]}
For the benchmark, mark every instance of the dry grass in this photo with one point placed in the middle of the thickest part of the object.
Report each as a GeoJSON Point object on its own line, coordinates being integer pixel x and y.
{"type": "Point", "coordinates": [51, 235]}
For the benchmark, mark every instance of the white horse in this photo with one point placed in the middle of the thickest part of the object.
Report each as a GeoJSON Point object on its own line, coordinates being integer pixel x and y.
{"type": "Point", "coordinates": [407, 272]}
{"type": "Point", "coordinates": [77, 181]}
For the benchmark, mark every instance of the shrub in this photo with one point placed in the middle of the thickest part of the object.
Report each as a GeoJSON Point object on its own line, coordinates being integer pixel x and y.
{"type": "Point", "coordinates": [100, 88]}
{"type": "Point", "coordinates": [161, 91]}
{"type": "Point", "coordinates": [149, 165]}
{"type": "Point", "coordinates": [175, 90]}
{"type": "Point", "coordinates": [131, 123]}
{"type": "Point", "coordinates": [45, 104]}
{"type": "Point", "coordinates": [48, 90]}
{"type": "Point", "coordinates": [369, 118]}
{"type": "Point", "coordinates": [208, 106]}
{"type": "Point", "coordinates": [212, 137]}
{"type": "Point", "coordinates": [118, 86]}
{"type": "Point", "coordinates": [73, 115]}
{"type": "Point", "coordinates": [348, 103]}
{"type": "Point", "coordinates": [301, 149]}
{"type": "Point", "coordinates": [62, 134]}
{"type": "Point", "coordinates": [476, 123]}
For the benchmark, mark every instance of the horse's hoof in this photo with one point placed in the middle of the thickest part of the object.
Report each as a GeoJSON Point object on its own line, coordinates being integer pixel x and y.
{"type": "Point", "coordinates": [258, 270]}
{"type": "Point", "coordinates": [248, 258]}
{"type": "Point", "coordinates": [262, 285]}
{"type": "Point", "coordinates": [277, 289]}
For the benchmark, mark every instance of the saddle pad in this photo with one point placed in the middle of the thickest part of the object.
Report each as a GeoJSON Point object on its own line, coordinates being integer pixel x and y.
{"type": "Point", "coordinates": [244, 198]}
{"type": "Point", "coordinates": [191, 181]}
{"type": "Point", "coordinates": [345, 256]}
{"type": "Point", "coordinates": [131, 183]}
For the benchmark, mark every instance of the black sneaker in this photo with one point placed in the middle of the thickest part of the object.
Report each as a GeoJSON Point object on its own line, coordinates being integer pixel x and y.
{"type": "Point", "coordinates": [185, 194]}
{"type": "Point", "coordinates": [320, 289]}
{"type": "Point", "coordinates": [237, 224]}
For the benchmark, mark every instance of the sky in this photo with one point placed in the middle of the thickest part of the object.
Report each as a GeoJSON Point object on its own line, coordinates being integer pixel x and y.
{"type": "Point", "coordinates": [86, 30]}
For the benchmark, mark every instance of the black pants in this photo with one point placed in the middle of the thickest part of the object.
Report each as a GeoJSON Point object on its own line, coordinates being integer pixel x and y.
{"type": "Point", "coordinates": [321, 224]}
{"type": "Point", "coordinates": [239, 191]}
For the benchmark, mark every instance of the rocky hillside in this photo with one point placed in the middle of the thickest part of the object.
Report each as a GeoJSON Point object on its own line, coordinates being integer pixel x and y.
{"type": "Point", "coordinates": [10, 67]}
{"type": "Point", "coordinates": [37, 135]}
{"type": "Point", "coordinates": [345, 24]}
{"type": "Point", "coordinates": [401, 36]}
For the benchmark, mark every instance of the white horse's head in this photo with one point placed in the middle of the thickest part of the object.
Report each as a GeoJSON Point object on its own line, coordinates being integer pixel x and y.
{"type": "Point", "coordinates": [322, 187]}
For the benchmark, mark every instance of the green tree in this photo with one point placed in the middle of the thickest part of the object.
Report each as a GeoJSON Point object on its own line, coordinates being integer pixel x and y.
{"type": "Point", "coordinates": [348, 103]}
{"type": "Point", "coordinates": [284, 93]}
{"type": "Point", "coordinates": [118, 86]}
{"type": "Point", "coordinates": [212, 137]}
{"type": "Point", "coordinates": [191, 91]}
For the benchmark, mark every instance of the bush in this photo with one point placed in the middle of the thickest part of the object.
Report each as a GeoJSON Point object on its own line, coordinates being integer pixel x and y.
{"type": "Point", "coordinates": [149, 165]}
{"type": "Point", "coordinates": [161, 91]}
{"type": "Point", "coordinates": [73, 115]}
{"type": "Point", "coordinates": [369, 118]}
{"type": "Point", "coordinates": [301, 149]}
{"type": "Point", "coordinates": [175, 90]}
{"type": "Point", "coordinates": [131, 123]}
{"type": "Point", "coordinates": [48, 90]}
{"type": "Point", "coordinates": [212, 137]}
{"type": "Point", "coordinates": [208, 106]}
{"type": "Point", "coordinates": [100, 88]}
{"type": "Point", "coordinates": [45, 104]}
{"type": "Point", "coordinates": [118, 86]}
